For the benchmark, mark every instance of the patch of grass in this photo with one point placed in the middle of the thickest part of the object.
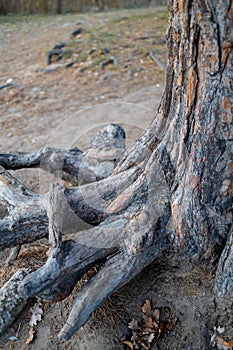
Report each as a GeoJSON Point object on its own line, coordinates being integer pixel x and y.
{"type": "Point", "coordinates": [82, 56]}
{"type": "Point", "coordinates": [121, 19]}
{"type": "Point", "coordinates": [140, 50]}
{"type": "Point", "coordinates": [67, 53]}
{"type": "Point", "coordinates": [160, 14]}
{"type": "Point", "coordinates": [29, 19]}
{"type": "Point", "coordinates": [113, 67]}
{"type": "Point", "coordinates": [138, 34]}
{"type": "Point", "coordinates": [72, 44]}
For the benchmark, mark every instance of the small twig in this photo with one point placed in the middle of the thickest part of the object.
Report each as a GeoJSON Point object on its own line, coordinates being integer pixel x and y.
{"type": "Point", "coordinates": [18, 330]}
{"type": "Point", "coordinates": [14, 253]}
{"type": "Point", "coordinates": [4, 86]}
{"type": "Point", "coordinates": [161, 41]}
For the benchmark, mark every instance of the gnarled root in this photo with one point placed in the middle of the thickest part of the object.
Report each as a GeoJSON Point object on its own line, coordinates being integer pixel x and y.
{"type": "Point", "coordinates": [73, 165]}
{"type": "Point", "coordinates": [138, 218]}
{"type": "Point", "coordinates": [27, 219]}
{"type": "Point", "coordinates": [11, 300]}
{"type": "Point", "coordinates": [127, 240]}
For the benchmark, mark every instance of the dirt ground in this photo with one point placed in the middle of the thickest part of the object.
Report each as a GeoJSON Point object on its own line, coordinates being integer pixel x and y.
{"type": "Point", "coordinates": [63, 106]}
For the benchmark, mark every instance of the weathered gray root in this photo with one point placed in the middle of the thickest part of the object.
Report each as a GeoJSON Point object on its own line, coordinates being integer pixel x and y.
{"type": "Point", "coordinates": [73, 165]}
{"type": "Point", "coordinates": [71, 257]}
{"type": "Point", "coordinates": [11, 300]}
{"type": "Point", "coordinates": [66, 265]}
{"type": "Point", "coordinates": [27, 219]}
{"type": "Point", "coordinates": [76, 256]}
{"type": "Point", "coordinates": [18, 203]}
{"type": "Point", "coordinates": [132, 234]}
{"type": "Point", "coordinates": [67, 262]}
{"type": "Point", "coordinates": [56, 279]}
{"type": "Point", "coordinates": [12, 192]}
{"type": "Point", "coordinates": [117, 271]}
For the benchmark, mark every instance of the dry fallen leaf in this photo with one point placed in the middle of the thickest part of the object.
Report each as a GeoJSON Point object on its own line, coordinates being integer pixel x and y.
{"type": "Point", "coordinates": [156, 314]}
{"type": "Point", "coordinates": [141, 342]}
{"type": "Point", "coordinates": [36, 314]}
{"type": "Point", "coordinates": [150, 337]}
{"type": "Point", "coordinates": [127, 343]}
{"type": "Point", "coordinates": [146, 309]}
{"type": "Point", "coordinates": [30, 336]}
{"type": "Point", "coordinates": [148, 324]}
{"type": "Point", "coordinates": [133, 324]}
{"type": "Point", "coordinates": [224, 345]}
{"type": "Point", "coordinates": [154, 323]}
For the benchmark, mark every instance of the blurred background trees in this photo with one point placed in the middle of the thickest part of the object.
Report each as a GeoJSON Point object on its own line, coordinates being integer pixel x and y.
{"type": "Point", "coordinates": [64, 6]}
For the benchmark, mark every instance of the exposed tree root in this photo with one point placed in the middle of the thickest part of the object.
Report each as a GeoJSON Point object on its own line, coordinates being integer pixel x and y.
{"type": "Point", "coordinates": [73, 165]}
{"type": "Point", "coordinates": [135, 224]}
{"type": "Point", "coordinates": [128, 241]}
{"type": "Point", "coordinates": [27, 219]}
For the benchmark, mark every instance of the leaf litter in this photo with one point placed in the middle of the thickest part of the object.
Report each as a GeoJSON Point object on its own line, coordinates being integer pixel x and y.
{"type": "Point", "coordinates": [224, 345]}
{"type": "Point", "coordinates": [36, 316]}
{"type": "Point", "coordinates": [151, 326]}
{"type": "Point", "coordinates": [216, 340]}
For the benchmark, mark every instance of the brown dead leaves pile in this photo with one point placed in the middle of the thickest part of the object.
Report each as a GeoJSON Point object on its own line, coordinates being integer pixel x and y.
{"type": "Point", "coordinates": [153, 324]}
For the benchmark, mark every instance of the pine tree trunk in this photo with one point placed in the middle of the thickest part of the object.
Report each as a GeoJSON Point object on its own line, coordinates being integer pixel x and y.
{"type": "Point", "coordinates": [197, 106]}
{"type": "Point", "coordinates": [170, 193]}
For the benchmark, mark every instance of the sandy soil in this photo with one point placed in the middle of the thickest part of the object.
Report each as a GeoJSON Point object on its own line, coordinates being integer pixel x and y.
{"type": "Point", "coordinates": [62, 107]}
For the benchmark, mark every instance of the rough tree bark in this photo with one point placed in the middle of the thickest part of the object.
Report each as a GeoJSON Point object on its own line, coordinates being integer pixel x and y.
{"type": "Point", "coordinates": [171, 193]}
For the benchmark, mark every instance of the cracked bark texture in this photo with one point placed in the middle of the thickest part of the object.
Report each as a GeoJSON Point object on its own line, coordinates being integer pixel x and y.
{"type": "Point", "coordinates": [197, 102]}
{"type": "Point", "coordinates": [171, 193]}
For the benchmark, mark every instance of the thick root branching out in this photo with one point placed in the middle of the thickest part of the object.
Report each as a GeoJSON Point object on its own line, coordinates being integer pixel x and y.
{"type": "Point", "coordinates": [128, 218]}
